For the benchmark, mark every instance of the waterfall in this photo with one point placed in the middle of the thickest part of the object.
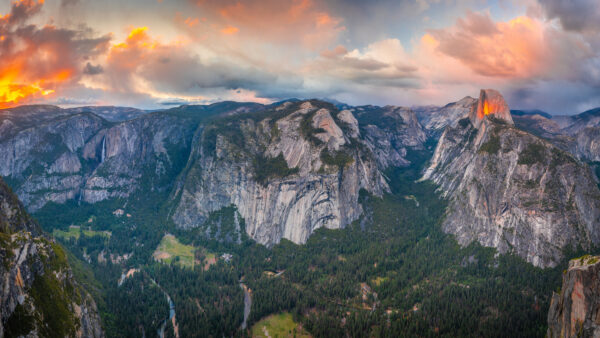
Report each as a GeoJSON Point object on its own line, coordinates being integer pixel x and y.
{"type": "Point", "coordinates": [103, 153]}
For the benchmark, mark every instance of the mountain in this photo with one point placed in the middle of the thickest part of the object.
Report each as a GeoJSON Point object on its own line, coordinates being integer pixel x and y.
{"type": "Point", "coordinates": [289, 168]}
{"type": "Point", "coordinates": [587, 119]}
{"type": "Point", "coordinates": [434, 119]}
{"type": "Point", "coordinates": [390, 132]}
{"type": "Point", "coordinates": [537, 124]}
{"type": "Point", "coordinates": [511, 190]}
{"type": "Point", "coordinates": [111, 113]}
{"type": "Point", "coordinates": [293, 168]}
{"type": "Point", "coordinates": [517, 112]}
{"type": "Point", "coordinates": [81, 156]}
{"type": "Point", "coordinates": [40, 296]}
{"type": "Point", "coordinates": [584, 128]}
{"type": "Point", "coordinates": [192, 202]}
{"type": "Point", "coordinates": [574, 309]}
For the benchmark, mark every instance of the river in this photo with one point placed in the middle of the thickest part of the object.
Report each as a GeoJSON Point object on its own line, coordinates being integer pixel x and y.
{"type": "Point", "coordinates": [247, 304]}
{"type": "Point", "coordinates": [161, 331]}
{"type": "Point", "coordinates": [172, 318]}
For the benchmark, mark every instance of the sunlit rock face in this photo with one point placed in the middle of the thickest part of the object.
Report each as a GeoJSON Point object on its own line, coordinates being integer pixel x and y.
{"type": "Point", "coordinates": [575, 310]}
{"type": "Point", "coordinates": [513, 191]}
{"type": "Point", "coordinates": [490, 102]}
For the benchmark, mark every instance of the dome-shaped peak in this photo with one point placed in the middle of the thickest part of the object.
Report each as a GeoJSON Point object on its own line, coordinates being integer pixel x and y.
{"type": "Point", "coordinates": [490, 102]}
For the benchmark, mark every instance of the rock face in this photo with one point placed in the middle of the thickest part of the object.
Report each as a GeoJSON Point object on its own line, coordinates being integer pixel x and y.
{"type": "Point", "coordinates": [513, 191]}
{"type": "Point", "coordinates": [40, 297]}
{"type": "Point", "coordinates": [390, 132]}
{"type": "Point", "coordinates": [435, 119]}
{"type": "Point", "coordinates": [68, 155]}
{"type": "Point", "coordinates": [312, 160]}
{"type": "Point", "coordinates": [575, 311]}
{"type": "Point", "coordinates": [490, 103]}
{"type": "Point", "coordinates": [587, 143]}
{"type": "Point", "coordinates": [84, 157]}
{"type": "Point", "coordinates": [579, 133]}
{"type": "Point", "coordinates": [295, 169]}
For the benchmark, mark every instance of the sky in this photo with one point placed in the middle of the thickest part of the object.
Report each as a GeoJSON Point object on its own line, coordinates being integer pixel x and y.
{"type": "Point", "coordinates": [540, 54]}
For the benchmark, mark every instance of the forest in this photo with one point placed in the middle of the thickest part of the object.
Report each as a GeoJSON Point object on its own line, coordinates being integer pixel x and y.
{"type": "Point", "coordinates": [391, 273]}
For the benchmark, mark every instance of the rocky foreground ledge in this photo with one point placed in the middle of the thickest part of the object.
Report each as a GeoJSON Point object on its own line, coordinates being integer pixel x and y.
{"type": "Point", "coordinates": [575, 311]}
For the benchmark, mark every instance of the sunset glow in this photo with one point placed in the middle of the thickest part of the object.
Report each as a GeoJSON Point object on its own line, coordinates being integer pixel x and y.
{"type": "Point", "coordinates": [404, 53]}
{"type": "Point", "coordinates": [13, 90]}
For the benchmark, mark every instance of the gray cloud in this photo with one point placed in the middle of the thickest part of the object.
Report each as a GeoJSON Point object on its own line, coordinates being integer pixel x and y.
{"type": "Point", "coordinates": [90, 69]}
{"type": "Point", "coordinates": [574, 15]}
{"type": "Point", "coordinates": [67, 3]}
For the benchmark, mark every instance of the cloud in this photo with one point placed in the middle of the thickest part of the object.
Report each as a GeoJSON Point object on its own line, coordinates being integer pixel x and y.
{"type": "Point", "coordinates": [293, 22]}
{"type": "Point", "coordinates": [381, 64]}
{"type": "Point", "coordinates": [574, 15]}
{"type": "Point", "coordinates": [90, 69]}
{"type": "Point", "coordinates": [20, 11]}
{"type": "Point", "coordinates": [170, 71]}
{"type": "Point", "coordinates": [37, 61]}
{"type": "Point", "coordinates": [527, 58]}
{"type": "Point", "coordinates": [67, 3]}
{"type": "Point", "coordinates": [516, 48]}
{"type": "Point", "coordinates": [229, 30]}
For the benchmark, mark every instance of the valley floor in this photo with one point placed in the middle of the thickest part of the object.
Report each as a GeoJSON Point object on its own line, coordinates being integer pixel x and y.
{"type": "Point", "coordinates": [391, 273]}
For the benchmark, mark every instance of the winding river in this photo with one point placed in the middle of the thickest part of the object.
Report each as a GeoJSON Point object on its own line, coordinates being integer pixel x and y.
{"type": "Point", "coordinates": [163, 325]}
{"type": "Point", "coordinates": [172, 318]}
{"type": "Point", "coordinates": [161, 331]}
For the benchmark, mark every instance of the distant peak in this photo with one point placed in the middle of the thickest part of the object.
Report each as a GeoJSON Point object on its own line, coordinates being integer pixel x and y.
{"type": "Point", "coordinates": [490, 102]}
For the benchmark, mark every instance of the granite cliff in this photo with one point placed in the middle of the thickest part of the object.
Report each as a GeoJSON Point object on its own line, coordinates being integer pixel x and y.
{"type": "Point", "coordinates": [288, 168]}
{"type": "Point", "coordinates": [575, 309]}
{"type": "Point", "coordinates": [511, 190]}
{"type": "Point", "coordinates": [40, 296]}
{"type": "Point", "coordinates": [293, 168]}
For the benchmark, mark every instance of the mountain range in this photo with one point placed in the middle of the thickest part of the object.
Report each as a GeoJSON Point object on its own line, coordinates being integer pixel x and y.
{"type": "Point", "coordinates": [521, 182]}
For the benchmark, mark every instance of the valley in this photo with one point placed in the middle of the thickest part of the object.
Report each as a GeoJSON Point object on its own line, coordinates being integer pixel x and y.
{"type": "Point", "coordinates": [244, 219]}
{"type": "Point", "coordinates": [299, 168]}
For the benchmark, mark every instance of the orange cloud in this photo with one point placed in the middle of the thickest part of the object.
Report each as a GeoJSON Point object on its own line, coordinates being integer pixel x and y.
{"type": "Point", "coordinates": [20, 11]}
{"type": "Point", "coordinates": [191, 22]}
{"type": "Point", "coordinates": [514, 49]}
{"type": "Point", "coordinates": [229, 30]}
{"type": "Point", "coordinates": [301, 22]}
{"type": "Point", "coordinates": [37, 61]}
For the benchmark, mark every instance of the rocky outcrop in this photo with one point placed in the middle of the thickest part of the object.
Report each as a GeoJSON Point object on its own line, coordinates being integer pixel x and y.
{"type": "Point", "coordinates": [575, 310]}
{"type": "Point", "coordinates": [513, 191]}
{"type": "Point", "coordinates": [312, 162]}
{"type": "Point", "coordinates": [40, 296]}
{"type": "Point", "coordinates": [490, 103]}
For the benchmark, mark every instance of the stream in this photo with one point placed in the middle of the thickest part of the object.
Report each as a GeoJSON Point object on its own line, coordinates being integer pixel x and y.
{"type": "Point", "coordinates": [163, 326]}
{"type": "Point", "coordinates": [247, 304]}
{"type": "Point", "coordinates": [161, 331]}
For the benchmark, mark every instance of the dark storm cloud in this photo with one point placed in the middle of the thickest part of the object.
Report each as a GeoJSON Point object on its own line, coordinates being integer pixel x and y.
{"type": "Point", "coordinates": [91, 69]}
